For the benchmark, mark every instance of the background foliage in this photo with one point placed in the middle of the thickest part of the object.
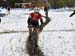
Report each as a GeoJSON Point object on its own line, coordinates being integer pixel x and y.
{"type": "Point", "coordinates": [52, 3]}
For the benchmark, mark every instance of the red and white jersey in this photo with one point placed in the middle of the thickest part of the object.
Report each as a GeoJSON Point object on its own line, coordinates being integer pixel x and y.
{"type": "Point", "coordinates": [35, 16]}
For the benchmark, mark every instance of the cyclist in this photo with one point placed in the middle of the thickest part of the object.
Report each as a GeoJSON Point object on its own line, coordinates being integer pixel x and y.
{"type": "Point", "coordinates": [33, 21]}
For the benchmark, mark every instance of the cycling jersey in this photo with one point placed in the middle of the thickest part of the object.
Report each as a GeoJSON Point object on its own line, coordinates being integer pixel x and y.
{"type": "Point", "coordinates": [35, 16]}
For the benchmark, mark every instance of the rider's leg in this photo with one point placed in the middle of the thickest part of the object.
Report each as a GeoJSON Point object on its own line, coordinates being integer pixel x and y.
{"type": "Point", "coordinates": [37, 33]}
{"type": "Point", "coordinates": [30, 30]}
{"type": "Point", "coordinates": [36, 26]}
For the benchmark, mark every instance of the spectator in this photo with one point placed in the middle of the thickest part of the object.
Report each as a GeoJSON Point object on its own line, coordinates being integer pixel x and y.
{"type": "Point", "coordinates": [46, 10]}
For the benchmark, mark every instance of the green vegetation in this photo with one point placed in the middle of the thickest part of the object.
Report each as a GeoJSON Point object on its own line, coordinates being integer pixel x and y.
{"type": "Point", "coordinates": [52, 3]}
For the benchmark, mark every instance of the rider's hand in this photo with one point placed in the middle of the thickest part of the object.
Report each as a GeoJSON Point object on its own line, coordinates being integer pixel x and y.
{"type": "Point", "coordinates": [42, 24]}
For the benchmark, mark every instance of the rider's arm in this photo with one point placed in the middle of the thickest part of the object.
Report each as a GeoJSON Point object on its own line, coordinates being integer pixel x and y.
{"type": "Point", "coordinates": [29, 20]}
{"type": "Point", "coordinates": [41, 20]}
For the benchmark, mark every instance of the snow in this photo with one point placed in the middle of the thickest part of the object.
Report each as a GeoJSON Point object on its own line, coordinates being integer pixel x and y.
{"type": "Point", "coordinates": [3, 11]}
{"type": "Point", "coordinates": [56, 39]}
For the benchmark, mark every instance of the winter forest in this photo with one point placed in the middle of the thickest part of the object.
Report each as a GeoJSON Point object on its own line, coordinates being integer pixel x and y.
{"type": "Point", "coordinates": [52, 3]}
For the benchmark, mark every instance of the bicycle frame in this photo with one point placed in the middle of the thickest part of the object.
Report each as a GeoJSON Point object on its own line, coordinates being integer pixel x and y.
{"type": "Point", "coordinates": [34, 41]}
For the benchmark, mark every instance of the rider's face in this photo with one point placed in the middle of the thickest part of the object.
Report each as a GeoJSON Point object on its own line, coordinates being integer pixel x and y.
{"type": "Point", "coordinates": [36, 13]}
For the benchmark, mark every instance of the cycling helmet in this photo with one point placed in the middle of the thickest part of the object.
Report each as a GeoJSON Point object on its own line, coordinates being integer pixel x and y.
{"type": "Point", "coordinates": [36, 9]}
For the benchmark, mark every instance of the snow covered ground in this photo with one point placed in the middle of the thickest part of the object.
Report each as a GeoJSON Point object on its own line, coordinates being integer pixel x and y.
{"type": "Point", "coordinates": [56, 39]}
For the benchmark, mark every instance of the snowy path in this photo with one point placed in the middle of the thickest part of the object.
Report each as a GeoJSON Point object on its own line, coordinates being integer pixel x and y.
{"type": "Point", "coordinates": [56, 39]}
